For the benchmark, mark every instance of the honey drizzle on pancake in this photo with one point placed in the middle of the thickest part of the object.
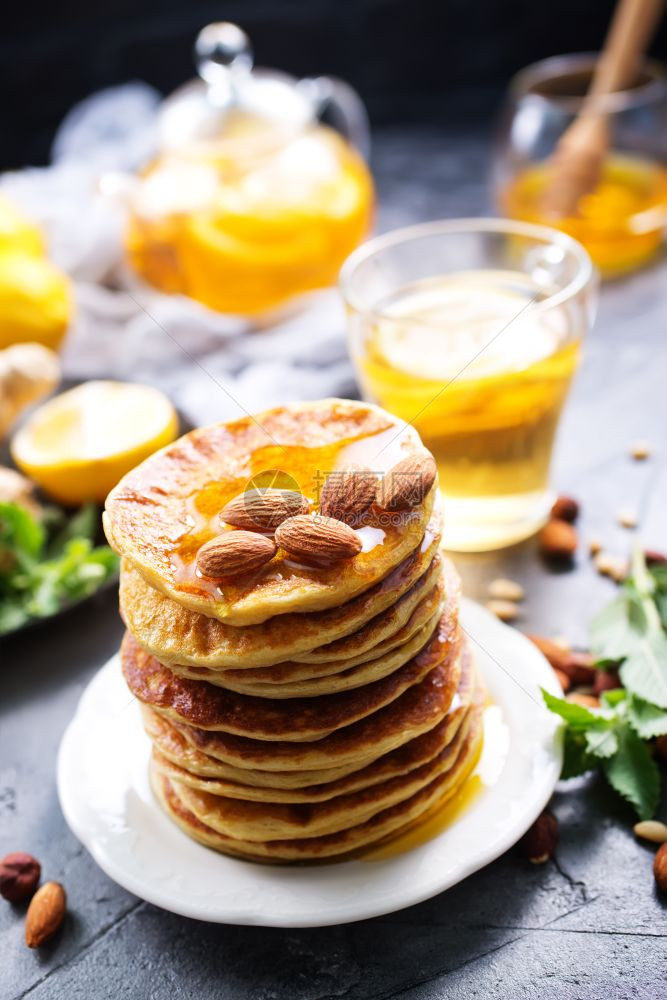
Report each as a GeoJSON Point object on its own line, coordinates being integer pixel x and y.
{"type": "Point", "coordinates": [484, 772]}
{"type": "Point", "coordinates": [308, 467]}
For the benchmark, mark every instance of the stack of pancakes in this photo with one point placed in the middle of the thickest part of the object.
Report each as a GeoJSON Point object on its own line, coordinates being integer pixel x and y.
{"type": "Point", "coordinates": [298, 711]}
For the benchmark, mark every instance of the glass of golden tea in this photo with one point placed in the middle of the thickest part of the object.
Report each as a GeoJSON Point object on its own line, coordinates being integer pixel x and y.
{"type": "Point", "coordinates": [470, 330]}
{"type": "Point", "coordinates": [622, 221]}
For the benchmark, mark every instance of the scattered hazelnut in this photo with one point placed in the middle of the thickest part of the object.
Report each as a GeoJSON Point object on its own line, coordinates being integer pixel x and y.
{"type": "Point", "coordinates": [558, 540]}
{"type": "Point", "coordinates": [506, 590]}
{"type": "Point", "coordinates": [660, 868]}
{"type": "Point", "coordinates": [539, 843]}
{"type": "Point", "coordinates": [507, 611]}
{"type": "Point", "coordinates": [45, 914]}
{"type": "Point", "coordinates": [606, 680]}
{"type": "Point", "coordinates": [640, 450]}
{"type": "Point", "coordinates": [651, 829]}
{"type": "Point", "coordinates": [615, 567]}
{"type": "Point", "coordinates": [577, 665]}
{"type": "Point", "coordinates": [565, 509]}
{"type": "Point", "coordinates": [627, 518]}
{"type": "Point", "coordinates": [19, 876]}
{"type": "Point", "coordinates": [654, 558]}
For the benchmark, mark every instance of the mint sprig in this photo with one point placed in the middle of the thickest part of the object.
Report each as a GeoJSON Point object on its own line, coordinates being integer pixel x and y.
{"type": "Point", "coordinates": [628, 633]}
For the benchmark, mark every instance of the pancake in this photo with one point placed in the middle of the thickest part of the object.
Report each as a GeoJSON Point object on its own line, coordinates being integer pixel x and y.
{"type": "Point", "coordinates": [165, 509]}
{"type": "Point", "coordinates": [416, 711]}
{"type": "Point", "coordinates": [331, 683]}
{"type": "Point", "coordinates": [380, 826]}
{"type": "Point", "coordinates": [258, 821]}
{"type": "Point", "coordinates": [295, 679]}
{"type": "Point", "coordinates": [174, 634]}
{"type": "Point", "coordinates": [207, 707]}
{"type": "Point", "coordinates": [179, 761]}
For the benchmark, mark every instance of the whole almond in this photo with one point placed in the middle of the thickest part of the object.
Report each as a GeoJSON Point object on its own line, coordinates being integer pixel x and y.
{"type": "Point", "coordinates": [263, 510]}
{"type": "Point", "coordinates": [233, 553]}
{"type": "Point", "coordinates": [408, 483]}
{"type": "Point", "coordinates": [318, 541]}
{"type": "Point", "coordinates": [19, 876]}
{"type": "Point", "coordinates": [348, 495]}
{"type": "Point", "coordinates": [660, 868]}
{"type": "Point", "coordinates": [45, 914]}
{"type": "Point", "coordinates": [558, 540]}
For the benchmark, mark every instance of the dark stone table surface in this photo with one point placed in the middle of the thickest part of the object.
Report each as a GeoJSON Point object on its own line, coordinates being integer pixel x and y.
{"type": "Point", "coordinates": [587, 924]}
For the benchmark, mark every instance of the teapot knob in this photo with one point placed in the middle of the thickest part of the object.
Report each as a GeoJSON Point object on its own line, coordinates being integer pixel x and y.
{"type": "Point", "coordinates": [220, 48]}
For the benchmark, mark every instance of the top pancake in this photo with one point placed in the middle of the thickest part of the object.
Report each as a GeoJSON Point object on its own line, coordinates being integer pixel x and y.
{"type": "Point", "coordinates": [160, 513]}
{"type": "Point", "coordinates": [175, 634]}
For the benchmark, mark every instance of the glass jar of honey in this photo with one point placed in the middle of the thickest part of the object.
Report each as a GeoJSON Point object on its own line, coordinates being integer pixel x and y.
{"type": "Point", "coordinates": [621, 222]}
{"type": "Point", "coordinates": [252, 200]}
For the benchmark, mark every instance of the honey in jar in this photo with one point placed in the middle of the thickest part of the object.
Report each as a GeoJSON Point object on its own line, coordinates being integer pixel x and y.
{"type": "Point", "coordinates": [252, 201]}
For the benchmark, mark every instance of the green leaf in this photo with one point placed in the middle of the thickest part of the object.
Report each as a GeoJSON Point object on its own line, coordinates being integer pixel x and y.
{"type": "Point", "coordinates": [601, 743]}
{"type": "Point", "coordinates": [20, 532]}
{"type": "Point", "coordinates": [644, 672]}
{"type": "Point", "coordinates": [577, 759]}
{"type": "Point", "coordinates": [633, 773]}
{"type": "Point", "coordinates": [577, 716]}
{"type": "Point", "coordinates": [615, 629]}
{"type": "Point", "coordinates": [646, 719]}
{"type": "Point", "coordinates": [612, 699]}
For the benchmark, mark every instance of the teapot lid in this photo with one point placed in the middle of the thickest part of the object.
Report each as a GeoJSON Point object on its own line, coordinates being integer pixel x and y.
{"type": "Point", "coordinates": [202, 109]}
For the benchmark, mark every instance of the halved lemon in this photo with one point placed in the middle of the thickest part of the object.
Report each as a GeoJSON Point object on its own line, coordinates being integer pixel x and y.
{"type": "Point", "coordinates": [79, 444]}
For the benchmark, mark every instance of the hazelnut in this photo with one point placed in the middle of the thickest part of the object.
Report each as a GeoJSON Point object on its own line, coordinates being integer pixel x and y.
{"type": "Point", "coordinates": [558, 540]}
{"type": "Point", "coordinates": [539, 843]}
{"type": "Point", "coordinates": [660, 868]}
{"type": "Point", "coordinates": [19, 876]}
{"type": "Point", "coordinates": [565, 509]}
{"type": "Point", "coordinates": [605, 680]}
{"type": "Point", "coordinates": [563, 679]}
{"type": "Point", "coordinates": [654, 558]}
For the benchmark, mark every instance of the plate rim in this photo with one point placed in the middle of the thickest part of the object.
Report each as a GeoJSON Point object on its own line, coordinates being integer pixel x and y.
{"type": "Point", "coordinates": [355, 911]}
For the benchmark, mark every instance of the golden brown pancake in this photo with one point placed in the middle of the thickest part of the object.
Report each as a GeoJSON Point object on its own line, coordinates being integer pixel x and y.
{"type": "Point", "coordinates": [417, 710]}
{"type": "Point", "coordinates": [178, 760]}
{"type": "Point", "coordinates": [205, 706]}
{"type": "Point", "coordinates": [331, 683]}
{"type": "Point", "coordinates": [175, 634]}
{"type": "Point", "coordinates": [165, 509]}
{"type": "Point", "coordinates": [381, 825]}
{"type": "Point", "coordinates": [257, 821]}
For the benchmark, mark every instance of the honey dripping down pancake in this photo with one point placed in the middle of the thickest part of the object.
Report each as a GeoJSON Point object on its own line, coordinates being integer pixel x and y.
{"type": "Point", "coordinates": [303, 679]}
{"type": "Point", "coordinates": [179, 761]}
{"type": "Point", "coordinates": [381, 825]}
{"type": "Point", "coordinates": [164, 510]}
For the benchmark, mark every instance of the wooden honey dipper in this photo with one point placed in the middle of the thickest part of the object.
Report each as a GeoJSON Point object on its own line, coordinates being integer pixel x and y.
{"type": "Point", "coordinates": [579, 155]}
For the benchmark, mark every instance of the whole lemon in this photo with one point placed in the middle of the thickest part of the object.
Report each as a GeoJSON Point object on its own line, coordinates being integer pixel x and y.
{"type": "Point", "coordinates": [36, 301]}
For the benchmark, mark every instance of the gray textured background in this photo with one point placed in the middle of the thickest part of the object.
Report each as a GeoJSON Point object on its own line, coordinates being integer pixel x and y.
{"type": "Point", "coordinates": [588, 924]}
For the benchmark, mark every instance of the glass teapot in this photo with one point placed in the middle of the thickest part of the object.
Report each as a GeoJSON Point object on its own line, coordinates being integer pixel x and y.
{"type": "Point", "coordinates": [251, 199]}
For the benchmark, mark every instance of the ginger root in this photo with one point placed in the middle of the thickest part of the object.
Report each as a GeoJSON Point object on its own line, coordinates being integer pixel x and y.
{"type": "Point", "coordinates": [28, 373]}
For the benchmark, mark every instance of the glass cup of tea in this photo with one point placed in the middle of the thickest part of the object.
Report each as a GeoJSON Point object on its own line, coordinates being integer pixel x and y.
{"type": "Point", "coordinates": [622, 221]}
{"type": "Point", "coordinates": [470, 330]}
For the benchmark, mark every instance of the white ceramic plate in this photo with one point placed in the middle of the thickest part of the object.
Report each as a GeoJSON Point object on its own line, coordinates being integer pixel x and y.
{"type": "Point", "coordinates": [106, 798]}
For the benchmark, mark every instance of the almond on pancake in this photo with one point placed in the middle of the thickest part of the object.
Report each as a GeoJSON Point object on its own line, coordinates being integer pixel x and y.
{"type": "Point", "coordinates": [176, 635]}
{"type": "Point", "coordinates": [164, 510]}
